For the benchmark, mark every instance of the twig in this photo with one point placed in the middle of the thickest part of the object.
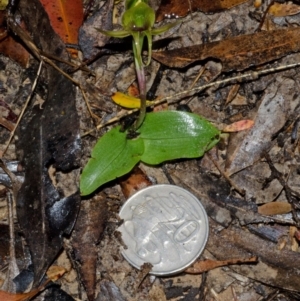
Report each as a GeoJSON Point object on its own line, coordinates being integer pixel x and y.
{"type": "Point", "coordinates": [172, 99]}
{"type": "Point", "coordinates": [24, 108]}
{"type": "Point", "coordinates": [227, 178]}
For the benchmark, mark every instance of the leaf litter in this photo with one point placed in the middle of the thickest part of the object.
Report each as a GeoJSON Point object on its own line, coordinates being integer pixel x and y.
{"type": "Point", "coordinates": [271, 101]}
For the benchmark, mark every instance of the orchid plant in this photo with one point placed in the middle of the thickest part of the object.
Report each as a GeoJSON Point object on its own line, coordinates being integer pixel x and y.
{"type": "Point", "coordinates": [162, 136]}
{"type": "Point", "coordinates": [138, 21]}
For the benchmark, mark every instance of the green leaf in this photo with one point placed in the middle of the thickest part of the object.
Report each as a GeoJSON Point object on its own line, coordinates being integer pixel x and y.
{"type": "Point", "coordinates": [113, 156]}
{"type": "Point", "coordinates": [169, 135]}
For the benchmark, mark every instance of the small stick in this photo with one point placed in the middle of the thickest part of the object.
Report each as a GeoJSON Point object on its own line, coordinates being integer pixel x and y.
{"type": "Point", "coordinates": [24, 108]}
{"type": "Point", "coordinates": [172, 98]}
{"type": "Point", "coordinates": [227, 178]}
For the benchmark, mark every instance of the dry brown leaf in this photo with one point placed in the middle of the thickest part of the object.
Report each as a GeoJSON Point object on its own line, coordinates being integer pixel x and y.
{"type": "Point", "coordinates": [55, 272]}
{"type": "Point", "coordinates": [284, 9]}
{"type": "Point", "coordinates": [134, 182]}
{"type": "Point", "coordinates": [209, 264]}
{"type": "Point", "coordinates": [275, 208]}
{"type": "Point", "coordinates": [9, 47]}
{"type": "Point", "coordinates": [181, 8]}
{"type": "Point", "coordinates": [236, 53]}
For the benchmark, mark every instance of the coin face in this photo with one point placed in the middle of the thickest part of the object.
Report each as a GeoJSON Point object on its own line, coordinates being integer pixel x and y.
{"type": "Point", "coordinates": [164, 225]}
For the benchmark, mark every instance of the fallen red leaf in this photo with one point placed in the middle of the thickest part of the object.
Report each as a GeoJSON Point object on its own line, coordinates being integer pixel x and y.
{"type": "Point", "coordinates": [66, 17]}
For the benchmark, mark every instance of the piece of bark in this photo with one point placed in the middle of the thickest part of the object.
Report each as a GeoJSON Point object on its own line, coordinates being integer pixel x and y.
{"type": "Point", "coordinates": [236, 53]}
{"type": "Point", "coordinates": [272, 114]}
{"type": "Point", "coordinates": [47, 136]}
{"type": "Point", "coordinates": [88, 229]}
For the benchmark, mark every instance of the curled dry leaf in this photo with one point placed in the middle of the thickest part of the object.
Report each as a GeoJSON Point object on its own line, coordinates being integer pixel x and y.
{"type": "Point", "coordinates": [284, 9]}
{"type": "Point", "coordinates": [181, 8]}
{"type": "Point", "coordinates": [236, 53]}
{"type": "Point", "coordinates": [209, 264]}
{"type": "Point", "coordinates": [275, 208]}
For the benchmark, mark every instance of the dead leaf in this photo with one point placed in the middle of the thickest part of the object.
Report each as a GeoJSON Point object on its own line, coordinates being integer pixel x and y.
{"type": "Point", "coordinates": [5, 296]}
{"type": "Point", "coordinates": [134, 182]}
{"type": "Point", "coordinates": [238, 126]}
{"type": "Point", "coordinates": [66, 17]}
{"type": "Point", "coordinates": [53, 132]}
{"type": "Point", "coordinates": [180, 8]}
{"type": "Point", "coordinates": [55, 272]}
{"type": "Point", "coordinates": [275, 208]}
{"type": "Point", "coordinates": [202, 266]}
{"type": "Point", "coordinates": [88, 229]}
{"type": "Point", "coordinates": [10, 47]}
{"type": "Point", "coordinates": [284, 9]}
{"type": "Point", "coordinates": [236, 53]}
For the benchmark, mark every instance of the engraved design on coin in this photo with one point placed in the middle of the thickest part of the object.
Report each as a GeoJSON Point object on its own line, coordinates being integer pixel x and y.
{"type": "Point", "coordinates": [164, 225]}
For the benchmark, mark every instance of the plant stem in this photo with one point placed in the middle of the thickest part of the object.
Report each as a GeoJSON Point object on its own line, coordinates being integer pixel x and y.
{"type": "Point", "coordinates": [140, 72]}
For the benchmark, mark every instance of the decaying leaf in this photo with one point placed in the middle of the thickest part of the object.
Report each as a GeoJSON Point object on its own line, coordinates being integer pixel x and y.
{"type": "Point", "coordinates": [236, 53]}
{"type": "Point", "coordinates": [9, 46]}
{"type": "Point", "coordinates": [66, 17]}
{"type": "Point", "coordinates": [86, 236]}
{"type": "Point", "coordinates": [53, 273]}
{"type": "Point", "coordinates": [47, 136]}
{"type": "Point", "coordinates": [180, 8]}
{"type": "Point", "coordinates": [284, 9]}
{"type": "Point", "coordinates": [134, 182]}
{"type": "Point", "coordinates": [202, 266]}
{"type": "Point", "coordinates": [275, 208]}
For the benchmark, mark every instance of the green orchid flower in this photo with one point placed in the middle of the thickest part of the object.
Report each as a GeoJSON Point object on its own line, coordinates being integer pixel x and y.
{"type": "Point", "coordinates": [138, 21]}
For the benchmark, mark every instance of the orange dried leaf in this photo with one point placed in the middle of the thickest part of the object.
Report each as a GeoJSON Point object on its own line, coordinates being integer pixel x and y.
{"type": "Point", "coordinates": [5, 296]}
{"type": "Point", "coordinates": [275, 208]}
{"type": "Point", "coordinates": [239, 126]}
{"type": "Point", "coordinates": [208, 264]}
{"type": "Point", "coordinates": [66, 17]}
{"type": "Point", "coordinates": [284, 9]}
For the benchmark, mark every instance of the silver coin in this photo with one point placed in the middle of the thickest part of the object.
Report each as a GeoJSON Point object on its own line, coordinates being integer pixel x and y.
{"type": "Point", "coordinates": [164, 225]}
